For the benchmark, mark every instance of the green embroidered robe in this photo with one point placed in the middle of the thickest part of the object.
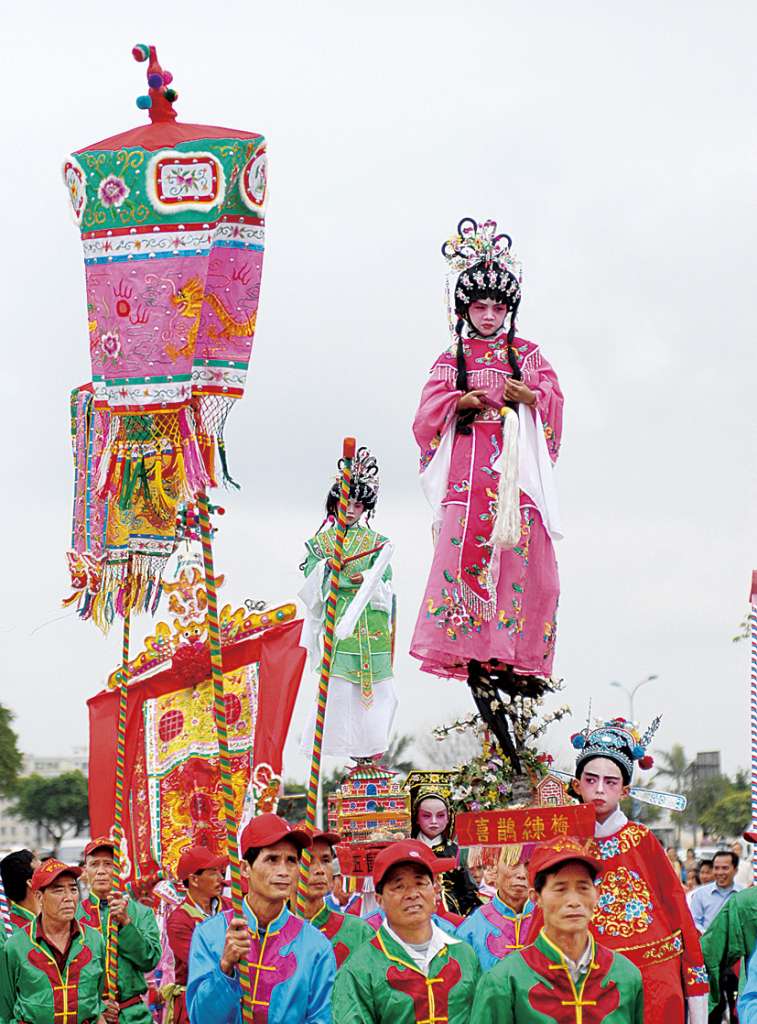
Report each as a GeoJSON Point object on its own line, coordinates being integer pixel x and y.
{"type": "Point", "coordinates": [34, 991]}
{"type": "Point", "coordinates": [364, 657]}
{"type": "Point", "coordinates": [139, 950]}
{"type": "Point", "coordinates": [379, 985]}
{"type": "Point", "coordinates": [534, 986]}
{"type": "Point", "coordinates": [731, 937]}
{"type": "Point", "coordinates": [345, 932]}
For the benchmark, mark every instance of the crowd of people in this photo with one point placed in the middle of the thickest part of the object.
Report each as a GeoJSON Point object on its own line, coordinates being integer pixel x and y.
{"type": "Point", "coordinates": [552, 936]}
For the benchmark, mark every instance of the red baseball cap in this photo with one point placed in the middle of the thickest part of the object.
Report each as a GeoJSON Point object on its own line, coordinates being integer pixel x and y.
{"type": "Point", "coordinates": [559, 851]}
{"type": "Point", "coordinates": [198, 858]}
{"type": "Point", "coordinates": [332, 838]}
{"type": "Point", "coordinates": [269, 829]}
{"type": "Point", "coordinates": [49, 870]}
{"type": "Point", "coordinates": [410, 851]}
{"type": "Point", "coordinates": [99, 843]}
{"type": "Point", "coordinates": [751, 837]}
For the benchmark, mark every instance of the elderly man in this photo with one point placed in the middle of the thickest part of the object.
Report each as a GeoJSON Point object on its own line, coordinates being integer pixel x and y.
{"type": "Point", "coordinates": [411, 971]}
{"type": "Point", "coordinates": [344, 932]}
{"type": "Point", "coordinates": [291, 964]}
{"type": "Point", "coordinates": [54, 969]}
{"type": "Point", "coordinates": [16, 871]}
{"type": "Point", "coordinates": [139, 947]}
{"type": "Point", "coordinates": [565, 977]}
{"type": "Point", "coordinates": [501, 926]}
{"type": "Point", "coordinates": [202, 874]}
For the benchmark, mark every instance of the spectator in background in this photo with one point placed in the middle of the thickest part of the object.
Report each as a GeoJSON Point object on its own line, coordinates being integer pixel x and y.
{"type": "Point", "coordinates": [708, 899]}
{"type": "Point", "coordinates": [745, 873]}
{"type": "Point", "coordinates": [692, 884]}
{"type": "Point", "coordinates": [706, 874]}
{"type": "Point", "coordinates": [690, 861]}
{"type": "Point", "coordinates": [675, 860]}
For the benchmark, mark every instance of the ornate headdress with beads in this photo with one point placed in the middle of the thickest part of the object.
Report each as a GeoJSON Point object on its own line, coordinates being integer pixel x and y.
{"type": "Point", "coordinates": [618, 740]}
{"type": "Point", "coordinates": [364, 483]}
{"type": "Point", "coordinates": [477, 257]}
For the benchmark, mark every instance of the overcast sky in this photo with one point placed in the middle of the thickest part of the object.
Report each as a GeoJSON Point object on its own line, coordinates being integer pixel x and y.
{"type": "Point", "coordinates": [614, 142]}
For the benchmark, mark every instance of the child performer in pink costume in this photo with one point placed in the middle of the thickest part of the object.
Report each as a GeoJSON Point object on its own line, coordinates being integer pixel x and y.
{"type": "Point", "coordinates": [488, 427]}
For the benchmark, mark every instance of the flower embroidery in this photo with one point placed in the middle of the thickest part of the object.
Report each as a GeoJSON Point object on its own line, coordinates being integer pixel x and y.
{"type": "Point", "coordinates": [110, 343]}
{"type": "Point", "coordinates": [429, 453]}
{"type": "Point", "coordinates": [634, 909]}
{"type": "Point", "coordinates": [113, 191]}
{"type": "Point", "coordinates": [609, 848]}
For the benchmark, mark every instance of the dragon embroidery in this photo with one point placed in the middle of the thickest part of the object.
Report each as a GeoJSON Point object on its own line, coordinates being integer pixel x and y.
{"type": "Point", "coordinates": [189, 301]}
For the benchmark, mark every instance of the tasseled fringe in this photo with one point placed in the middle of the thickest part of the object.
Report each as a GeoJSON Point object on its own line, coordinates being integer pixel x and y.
{"type": "Point", "coordinates": [227, 478]}
{"type": "Point", "coordinates": [206, 444]}
{"type": "Point", "coordinates": [132, 586]}
{"type": "Point", "coordinates": [197, 476]}
{"type": "Point", "coordinates": [506, 530]}
{"type": "Point", "coordinates": [476, 605]}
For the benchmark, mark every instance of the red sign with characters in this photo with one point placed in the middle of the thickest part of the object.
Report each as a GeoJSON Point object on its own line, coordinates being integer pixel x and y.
{"type": "Point", "coordinates": [525, 825]}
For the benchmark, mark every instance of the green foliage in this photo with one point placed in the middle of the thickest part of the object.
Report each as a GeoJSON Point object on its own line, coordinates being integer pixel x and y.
{"type": "Point", "coordinates": [57, 805]}
{"type": "Point", "coordinates": [399, 757]}
{"type": "Point", "coordinates": [729, 815]}
{"type": "Point", "coordinates": [10, 755]}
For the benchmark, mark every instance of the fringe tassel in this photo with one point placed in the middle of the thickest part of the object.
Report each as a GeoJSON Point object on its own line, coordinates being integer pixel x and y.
{"type": "Point", "coordinates": [227, 479]}
{"type": "Point", "coordinates": [476, 605]}
{"type": "Point", "coordinates": [194, 468]}
{"type": "Point", "coordinates": [507, 528]}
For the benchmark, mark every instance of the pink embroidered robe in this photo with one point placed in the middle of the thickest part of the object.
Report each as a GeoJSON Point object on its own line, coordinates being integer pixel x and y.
{"type": "Point", "coordinates": [482, 602]}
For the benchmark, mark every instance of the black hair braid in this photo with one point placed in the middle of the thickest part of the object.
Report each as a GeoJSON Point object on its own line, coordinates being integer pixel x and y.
{"type": "Point", "coordinates": [465, 418]}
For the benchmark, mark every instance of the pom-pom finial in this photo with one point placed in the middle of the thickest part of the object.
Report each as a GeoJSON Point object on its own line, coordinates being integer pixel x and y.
{"type": "Point", "coordinates": [646, 762]}
{"type": "Point", "coordinates": [638, 751]}
{"type": "Point", "coordinates": [167, 78]}
{"type": "Point", "coordinates": [578, 740]}
{"type": "Point", "coordinates": [155, 80]}
{"type": "Point", "coordinates": [171, 95]}
{"type": "Point", "coordinates": [140, 52]}
{"type": "Point", "coordinates": [144, 102]}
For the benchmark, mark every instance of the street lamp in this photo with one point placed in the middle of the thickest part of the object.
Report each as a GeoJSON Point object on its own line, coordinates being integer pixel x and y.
{"type": "Point", "coordinates": [632, 692]}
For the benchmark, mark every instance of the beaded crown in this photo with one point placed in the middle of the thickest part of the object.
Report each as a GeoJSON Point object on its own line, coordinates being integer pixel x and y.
{"type": "Point", "coordinates": [618, 740]}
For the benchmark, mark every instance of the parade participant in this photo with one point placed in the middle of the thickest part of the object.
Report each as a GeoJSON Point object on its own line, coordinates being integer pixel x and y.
{"type": "Point", "coordinates": [202, 875]}
{"type": "Point", "coordinates": [642, 910]}
{"type": "Point", "coordinates": [344, 931]}
{"type": "Point", "coordinates": [488, 427]}
{"type": "Point", "coordinates": [411, 971]}
{"type": "Point", "coordinates": [362, 699]}
{"type": "Point", "coordinates": [729, 940]}
{"type": "Point", "coordinates": [432, 822]}
{"type": "Point", "coordinates": [292, 965]}
{"type": "Point", "coordinates": [139, 948]}
{"type": "Point", "coordinates": [54, 969]}
{"type": "Point", "coordinates": [709, 899]}
{"type": "Point", "coordinates": [501, 926]}
{"type": "Point", "coordinates": [339, 898]}
{"type": "Point", "coordinates": [566, 976]}
{"type": "Point", "coordinates": [16, 871]}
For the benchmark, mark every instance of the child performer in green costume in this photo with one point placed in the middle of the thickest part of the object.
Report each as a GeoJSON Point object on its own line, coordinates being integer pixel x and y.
{"type": "Point", "coordinates": [361, 701]}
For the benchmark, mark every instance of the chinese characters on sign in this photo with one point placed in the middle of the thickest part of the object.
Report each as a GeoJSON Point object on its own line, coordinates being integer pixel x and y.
{"type": "Point", "coordinates": [525, 825]}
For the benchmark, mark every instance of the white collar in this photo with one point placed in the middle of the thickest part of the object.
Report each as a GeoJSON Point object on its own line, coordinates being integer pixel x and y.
{"type": "Point", "coordinates": [611, 825]}
{"type": "Point", "coordinates": [439, 940]}
{"type": "Point", "coordinates": [436, 841]}
{"type": "Point", "coordinates": [580, 966]}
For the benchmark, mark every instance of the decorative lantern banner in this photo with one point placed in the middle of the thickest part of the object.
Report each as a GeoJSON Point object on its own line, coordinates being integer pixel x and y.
{"type": "Point", "coordinates": [524, 825]}
{"type": "Point", "coordinates": [172, 780]}
{"type": "Point", "coordinates": [171, 219]}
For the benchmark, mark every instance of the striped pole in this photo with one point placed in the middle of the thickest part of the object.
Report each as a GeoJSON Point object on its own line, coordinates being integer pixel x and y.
{"type": "Point", "coordinates": [348, 452]}
{"type": "Point", "coordinates": [111, 939]}
{"type": "Point", "coordinates": [5, 909]}
{"type": "Point", "coordinates": [224, 758]}
{"type": "Point", "coordinates": [753, 663]}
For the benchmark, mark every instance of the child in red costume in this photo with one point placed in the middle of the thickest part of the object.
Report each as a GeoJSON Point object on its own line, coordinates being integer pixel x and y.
{"type": "Point", "coordinates": [642, 911]}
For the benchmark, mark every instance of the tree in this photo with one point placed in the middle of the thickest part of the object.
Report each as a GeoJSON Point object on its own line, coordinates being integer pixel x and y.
{"type": "Point", "coordinates": [456, 748]}
{"type": "Point", "coordinates": [57, 805]}
{"type": "Point", "coordinates": [10, 755]}
{"type": "Point", "coordinates": [674, 765]}
{"type": "Point", "coordinates": [729, 815]}
{"type": "Point", "coordinates": [398, 756]}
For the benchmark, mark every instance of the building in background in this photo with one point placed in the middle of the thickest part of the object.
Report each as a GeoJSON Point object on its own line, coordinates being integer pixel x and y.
{"type": "Point", "coordinates": [14, 832]}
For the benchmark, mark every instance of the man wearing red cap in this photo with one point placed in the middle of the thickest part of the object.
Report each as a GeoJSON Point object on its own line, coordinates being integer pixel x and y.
{"type": "Point", "coordinates": [202, 875]}
{"type": "Point", "coordinates": [139, 947]}
{"type": "Point", "coordinates": [565, 977]}
{"type": "Point", "coordinates": [411, 971]}
{"type": "Point", "coordinates": [291, 964]}
{"type": "Point", "coordinates": [52, 972]}
{"type": "Point", "coordinates": [344, 932]}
